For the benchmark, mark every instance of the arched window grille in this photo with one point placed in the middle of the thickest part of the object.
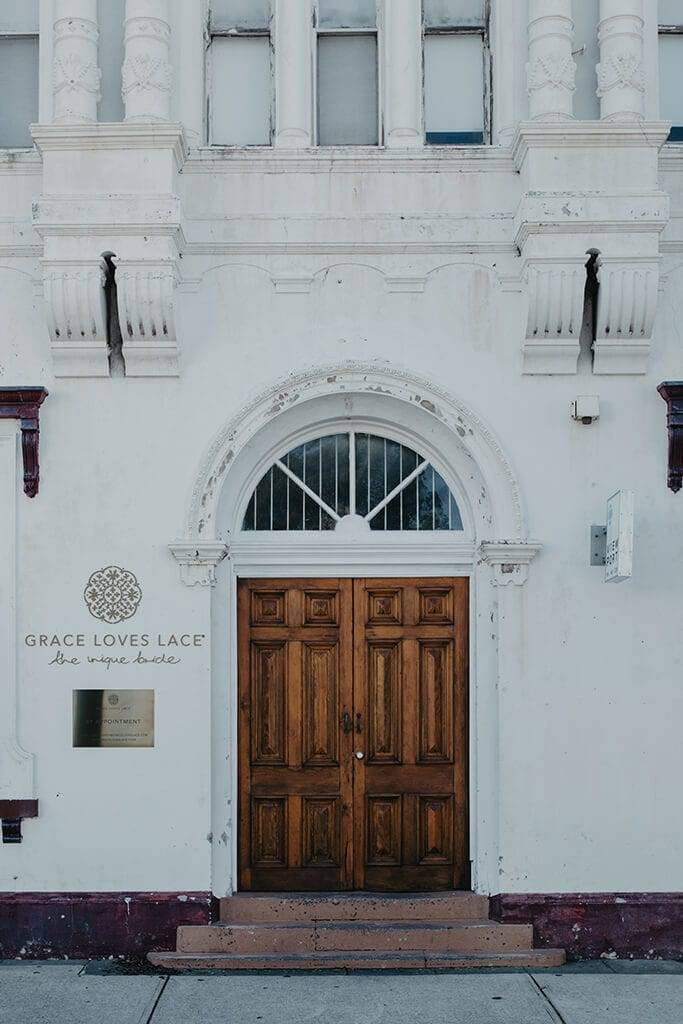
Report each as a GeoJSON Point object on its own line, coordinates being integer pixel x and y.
{"type": "Point", "coordinates": [318, 483]}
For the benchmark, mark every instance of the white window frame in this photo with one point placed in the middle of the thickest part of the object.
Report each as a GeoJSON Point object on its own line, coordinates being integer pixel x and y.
{"type": "Point", "coordinates": [460, 138]}
{"type": "Point", "coordinates": [243, 33]}
{"type": "Point", "coordinates": [676, 133]}
{"type": "Point", "coordinates": [377, 32]}
{"type": "Point", "coordinates": [25, 35]}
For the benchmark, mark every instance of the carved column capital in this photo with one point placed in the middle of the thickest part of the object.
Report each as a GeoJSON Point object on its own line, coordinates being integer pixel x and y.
{"type": "Point", "coordinates": [146, 72]}
{"type": "Point", "coordinates": [551, 70]}
{"type": "Point", "coordinates": [198, 560]}
{"type": "Point", "coordinates": [146, 300]}
{"type": "Point", "coordinates": [556, 287]}
{"type": "Point", "coordinates": [621, 81]}
{"type": "Point", "coordinates": [76, 72]}
{"type": "Point", "coordinates": [509, 560]}
{"type": "Point", "coordinates": [627, 303]}
{"type": "Point", "coordinates": [76, 316]}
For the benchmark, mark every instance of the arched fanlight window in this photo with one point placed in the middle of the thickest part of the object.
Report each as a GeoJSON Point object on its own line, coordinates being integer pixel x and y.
{"type": "Point", "coordinates": [318, 483]}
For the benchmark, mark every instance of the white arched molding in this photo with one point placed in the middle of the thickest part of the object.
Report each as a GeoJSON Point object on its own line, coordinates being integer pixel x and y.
{"type": "Point", "coordinates": [492, 551]}
{"type": "Point", "coordinates": [504, 516]}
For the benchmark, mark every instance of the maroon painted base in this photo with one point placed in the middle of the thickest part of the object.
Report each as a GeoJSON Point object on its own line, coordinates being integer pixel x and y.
{"type": "Point", "coordinates": [37, 925]}
{"type": "Point", "coordinates": [588, 925]}
{"type": "Point", "coordinates": [591, 925]}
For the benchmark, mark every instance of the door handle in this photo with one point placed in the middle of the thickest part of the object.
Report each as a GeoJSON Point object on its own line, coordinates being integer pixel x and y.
{"type": "Point", "coordinates": [360, 755]}
{"type": "Point", "coordinates": [347, 722]}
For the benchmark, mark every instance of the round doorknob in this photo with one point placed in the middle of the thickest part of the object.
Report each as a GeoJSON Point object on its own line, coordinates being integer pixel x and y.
{"type": "Point", "coordinates": [360, 755]}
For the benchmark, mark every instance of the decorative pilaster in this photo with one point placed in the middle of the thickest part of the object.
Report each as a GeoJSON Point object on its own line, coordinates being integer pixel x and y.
{"type": "Point", "coordinates": [627, 303]}
{"type": "Point", "coordinates": [146, 72]}
{"type": "Point", "coordinates": [77, 76]}
{"type": "Point", "coordinates": [146, 300]}
{"type": "Point", "coordinates": [198, 560]}
{"type": "Point", "coordinates": [551, 70]}
{"type": "Point", "coordinates": [293, 75]}
{"type": "Point", "coordinates": [403, 74]}
{"type": "Point", "coordinates": [672, 393]}
{"type": "Point", "coordinates": [621, 82]}
{"type": "Point", "coordinates": [556, 288]}
{"type": "Point", "coordinates": [76, 316]}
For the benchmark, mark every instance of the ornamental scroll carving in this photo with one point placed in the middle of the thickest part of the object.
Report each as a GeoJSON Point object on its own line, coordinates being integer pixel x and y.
{"type": "Point", "coordinates": [145, 72]}
{"type": "Point", "coordinates": [553, 70]}
{"type": "Point", "coordinates": [620, 70]}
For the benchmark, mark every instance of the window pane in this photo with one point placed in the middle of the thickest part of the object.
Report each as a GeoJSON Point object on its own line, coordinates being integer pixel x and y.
{"type": "Point", "coordinates": [671, 79]}
{"type": "Point", "coordinates": [586, 16]}
{"type": "Point", "coordinates": [19, 16]}
{"type": "Point", "coordinates": [347, 13]}
{"type": "Point", "coordinates": [18, 80]}
{"type": "Point", "coordinates": [347, 90]}
{"type": "Point", "coordinates": [670, 12]}
{"type": "Point", "coordinates": [454, 84]}
{"type": "Point", "coordinates": [454, 12]}
{"type": "Point", "coordinates": [110, 14]}
{"type": "Point", "coordinates": [240, 14]}
{"type": "Point", "coordinates": [240, 91]}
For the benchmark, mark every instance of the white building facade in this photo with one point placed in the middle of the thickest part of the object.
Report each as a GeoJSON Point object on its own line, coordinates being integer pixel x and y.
{"type": "Point", "coordinates": [234, 235]}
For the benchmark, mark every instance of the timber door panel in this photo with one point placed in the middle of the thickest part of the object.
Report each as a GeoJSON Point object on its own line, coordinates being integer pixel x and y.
{"type": "Point", "coordinates": [332, 669]}
{"type": "Point", "coordinates": [410, 693]}
{"type": "Point", "coordinates": [295, 759]}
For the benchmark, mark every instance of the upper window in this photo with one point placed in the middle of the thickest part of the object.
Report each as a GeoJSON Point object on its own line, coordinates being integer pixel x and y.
{"type": "Point", "coordinates": [315, 485]}
{"type": "Point", "coordinates": [347, 79]}
{"type": "Point", "coordinates": [240, 73]}
{"type": "Point", "coordinates": [671, 66]}
{"type": "Point", "coordinates": [18, 71]}
{"type": "Point", "coordinates": [456, 71]}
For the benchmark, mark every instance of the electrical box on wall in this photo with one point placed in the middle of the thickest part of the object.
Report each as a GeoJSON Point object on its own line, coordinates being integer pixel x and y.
{"type": "Point", "coordinates": [619, 553]}
{"type": "Point", "coordinates": [585, 409]}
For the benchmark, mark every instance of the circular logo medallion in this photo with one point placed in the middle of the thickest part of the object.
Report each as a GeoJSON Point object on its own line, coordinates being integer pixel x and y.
{"type": "Point", "coordinates": [112, 594]}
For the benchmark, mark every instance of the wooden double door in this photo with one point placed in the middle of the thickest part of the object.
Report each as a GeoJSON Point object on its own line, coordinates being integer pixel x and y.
{"type": "Point", "coordinates": [353, 734]}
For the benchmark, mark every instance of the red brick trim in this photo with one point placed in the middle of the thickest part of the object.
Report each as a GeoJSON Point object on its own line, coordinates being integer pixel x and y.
{"type": "Point", "coordinates": [591, 925]}
{"type": "Point", "coordinates": [38, 925]}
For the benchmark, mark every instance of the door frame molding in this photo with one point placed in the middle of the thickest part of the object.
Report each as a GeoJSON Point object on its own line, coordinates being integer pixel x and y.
{"type": "Point", "coordinates": [494, 552]}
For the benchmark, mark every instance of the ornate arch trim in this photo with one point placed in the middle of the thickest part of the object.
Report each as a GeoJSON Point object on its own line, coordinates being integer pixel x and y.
{"type": "Point", "coordinates": [468, 430]}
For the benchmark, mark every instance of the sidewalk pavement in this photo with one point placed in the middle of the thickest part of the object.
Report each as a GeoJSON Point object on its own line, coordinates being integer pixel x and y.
{"type": "Point", "coordinates": [102, 992]}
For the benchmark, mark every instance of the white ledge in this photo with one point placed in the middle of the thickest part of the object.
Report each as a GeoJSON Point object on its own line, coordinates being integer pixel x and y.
{"type": "Point", "coordinates": [587, 134]}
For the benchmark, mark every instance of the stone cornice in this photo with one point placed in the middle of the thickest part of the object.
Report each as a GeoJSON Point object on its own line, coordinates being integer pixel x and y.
{"type": "Point", "coordinates": [107, 136]}
{"type": "Point", "coordinates": [509, 560]}
{"type": "Point", "coordinates": [588, 135]}
{"type": "Point", "coordinates": [350, 160]}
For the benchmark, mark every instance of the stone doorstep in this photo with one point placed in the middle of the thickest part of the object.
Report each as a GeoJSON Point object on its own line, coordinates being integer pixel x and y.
{"type": "Point", "coordinates": [264, 908]}
{"type": "Point", "coordinates": [356, 960]}
{"type": "Point", "coordinates": [376, 936]}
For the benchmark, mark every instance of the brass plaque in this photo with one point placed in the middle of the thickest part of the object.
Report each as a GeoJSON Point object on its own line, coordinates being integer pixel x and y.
{"type": "Point", "coordinates": [113, 718]}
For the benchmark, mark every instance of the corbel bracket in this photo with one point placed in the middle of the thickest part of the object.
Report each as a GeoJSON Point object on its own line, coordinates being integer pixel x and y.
{"type": "Point", "coordinates": [672, 393]}
{"type": "Point", "coordinates": [12, 812]}
{"type": "Point", "coordinates": [24, 404]}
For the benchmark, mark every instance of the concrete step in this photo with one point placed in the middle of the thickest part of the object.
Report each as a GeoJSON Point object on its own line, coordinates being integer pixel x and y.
{"type": "Point", "coordinates": [370, 936]}
{"type": "Point", "coordinates": [297, 907]}
{"type": "Point", "coordinates": [357, 960]}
